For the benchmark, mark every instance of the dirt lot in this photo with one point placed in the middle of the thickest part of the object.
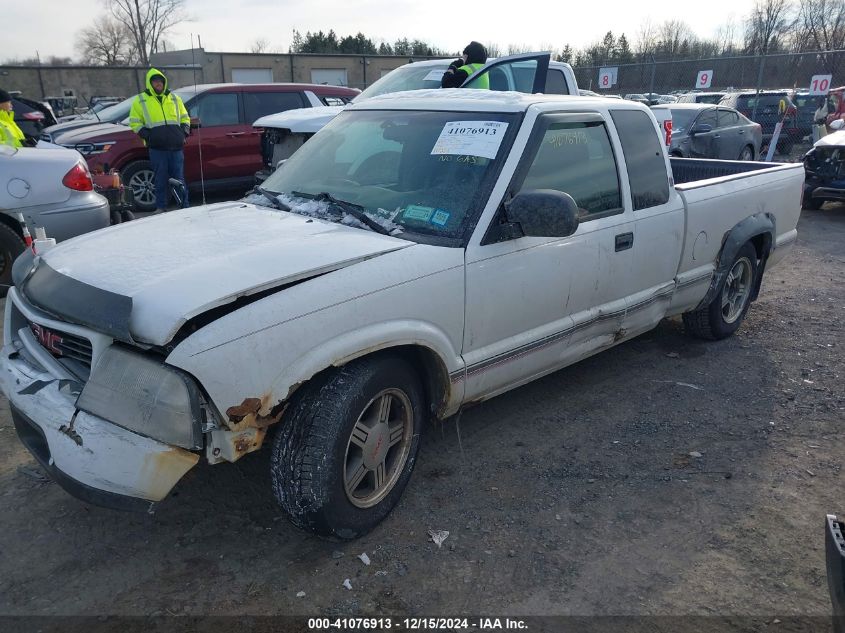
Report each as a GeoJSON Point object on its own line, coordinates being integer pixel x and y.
{"type": "Point", "coordinates": [577, 494]}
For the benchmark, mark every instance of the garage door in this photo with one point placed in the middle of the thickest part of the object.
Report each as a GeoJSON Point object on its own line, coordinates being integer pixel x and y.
{"type": "Point", "coordinates": [329, 76]}
{"type": "Point", "coordinates": [252, 75]}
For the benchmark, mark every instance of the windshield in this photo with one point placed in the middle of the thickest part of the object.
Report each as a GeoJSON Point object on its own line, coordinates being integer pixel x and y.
{"type": "Point", "coordinates": [114, 112]}
{"type": "Point", "coordinates": [421, 172]}
{"type": "Point", "coordinates": [410, 77]}
{"type": "Point", "coordinates": [681, 119]}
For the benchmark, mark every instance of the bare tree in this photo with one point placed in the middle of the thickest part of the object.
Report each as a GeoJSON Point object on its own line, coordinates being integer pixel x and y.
{"type": "Point", "coordinates": [726, 37]}
{"type": "Point", "coordinates": [514, 49]}
{"type": "Point", "coordinates": [147, 21]}
{"type": "Point", "coordinates": [822, 24]}
{"type": "Point", "coordinates": [106, 42]}
{"type": "Point", "coordinates": [646, 39]}
{"type": "Point", "coordinates": [672, 35]}
{"type": "Point", "coordinates": [260, 45]}
{"type": "Point", "coordinates": [768, 22]}
{"type": "Point", "coordinates": [493, 49]}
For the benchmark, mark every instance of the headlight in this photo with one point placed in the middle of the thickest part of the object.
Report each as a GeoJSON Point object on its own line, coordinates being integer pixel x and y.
{"type": "Point", "coordinates": [144, 396]}
{"type": "Point", "coordinates": [90, 149]}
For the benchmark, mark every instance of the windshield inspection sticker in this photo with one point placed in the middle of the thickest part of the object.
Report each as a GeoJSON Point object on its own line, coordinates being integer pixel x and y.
{"type": "Point", "coordinates": [414, 212]}
{"type": "Point", "coordinates": [435, 75]}
{"type": "Point", "coordinates": [471, 138]}
{"type": "Point", "coordinates": [440, 217]}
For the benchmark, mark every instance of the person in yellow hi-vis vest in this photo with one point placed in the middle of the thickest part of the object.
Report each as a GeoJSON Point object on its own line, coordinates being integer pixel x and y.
{"type": "Point", "coordinates": [474, 57]}
{"type": "Point", "coordinates": [10, 133]}
{"type": "Point", "coordinates": [159, 117]}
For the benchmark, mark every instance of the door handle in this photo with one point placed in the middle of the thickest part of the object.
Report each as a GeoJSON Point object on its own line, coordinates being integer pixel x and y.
{"type": "Point", "coordinates": [742, 131]}
{"type": "Point", "coordinates": [717, 136]}
{"type": "Point", "coordinates": [233, 134]}
{"type": "Point", "coordinates": [624, 241]}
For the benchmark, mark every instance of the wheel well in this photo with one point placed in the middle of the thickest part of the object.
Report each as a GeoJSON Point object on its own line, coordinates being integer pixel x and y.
{"type": "Point", "coordinates": [677, 154]}
{"type": "Point", "coordinates": [431, 369]}
{"type": "Point", "coordinates": [12, 223]}
{"type": "Point", "coordinates": [762, 243]}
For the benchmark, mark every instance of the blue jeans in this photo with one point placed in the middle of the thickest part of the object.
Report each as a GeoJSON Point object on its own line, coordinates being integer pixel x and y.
{"type": "Point", "coordinates": [167, 164]}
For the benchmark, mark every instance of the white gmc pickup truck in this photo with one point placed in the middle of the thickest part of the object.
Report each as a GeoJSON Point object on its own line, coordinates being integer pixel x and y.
{"type": "Point", "coordinates": [424, 251]}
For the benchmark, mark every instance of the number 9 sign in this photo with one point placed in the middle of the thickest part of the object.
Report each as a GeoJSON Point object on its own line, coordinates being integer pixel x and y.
{"type": "Point", "coordinates": [704, 79]}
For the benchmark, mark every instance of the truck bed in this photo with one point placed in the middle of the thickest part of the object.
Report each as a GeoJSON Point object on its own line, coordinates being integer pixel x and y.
{"type": "Point", "coordinates": [686, 170]}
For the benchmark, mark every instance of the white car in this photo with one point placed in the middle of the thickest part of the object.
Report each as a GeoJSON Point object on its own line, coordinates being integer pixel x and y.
{"type": "Point", "coordinates": [424, 251]}
{"type": "Point", "coordinates": [52, 188]}
{"type": "Point", "coordinates": [285, 132]}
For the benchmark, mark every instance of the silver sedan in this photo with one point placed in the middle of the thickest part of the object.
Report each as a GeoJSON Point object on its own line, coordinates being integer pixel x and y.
{"type": "Point", "coordinates": [52, 189]}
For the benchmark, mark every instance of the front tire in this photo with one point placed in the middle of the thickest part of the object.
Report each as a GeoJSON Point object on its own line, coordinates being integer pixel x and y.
{"type": "Point", "coordinates": [724, 314]}
{"type": "Point", "coordinates": [139, 177]}
{"type": "Point", "coordinates": [347, 445]}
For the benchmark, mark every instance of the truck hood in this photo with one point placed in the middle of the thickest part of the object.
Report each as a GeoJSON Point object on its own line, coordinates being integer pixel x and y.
{"type": "Point", "coordinates": [834, 139]}
{"type": "Point", "coordinates": [301, 120]}
{"type": "Point", "coordinates": [141, 281]}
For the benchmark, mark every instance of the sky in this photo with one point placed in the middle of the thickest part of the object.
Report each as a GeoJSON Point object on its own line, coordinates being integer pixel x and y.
{"type": "Point", "coordinates": [232, 25]}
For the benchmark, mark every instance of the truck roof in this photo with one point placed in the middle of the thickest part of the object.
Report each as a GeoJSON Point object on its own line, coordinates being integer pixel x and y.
{"type": "Point", "coordinates": [461, 99]}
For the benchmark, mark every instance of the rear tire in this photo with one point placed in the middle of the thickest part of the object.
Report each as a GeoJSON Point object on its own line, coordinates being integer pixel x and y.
{"type": "Point", "coordinates": [724, 314]}
{"type": "Point", "coordinates": [747, 153]}
{"type": "Point", "coordinates": [347, 445]}
{"type": "Point", "coordinates": [11, 245]}
{"type": "Point", "coordinates": [139, 177]}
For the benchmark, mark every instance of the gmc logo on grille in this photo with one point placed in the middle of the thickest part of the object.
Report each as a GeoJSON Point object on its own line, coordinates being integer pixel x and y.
{"type": "Point", "coordinates": [49, 340]}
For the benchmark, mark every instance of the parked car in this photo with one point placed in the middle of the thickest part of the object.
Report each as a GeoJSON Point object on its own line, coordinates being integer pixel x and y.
{"type": "Point", "coordinates": [424, 251]}
{"type": "Point", "coordinates": [639, 98]}
{"type": "Point", "coordinates": [835, 567]}
{"type": "Point", "coordinates": [115, 113]}
{"type": "Point", "coordinates": [807, 105]}
{"type": "Point", "coordinates": [771, 107]}
{"type": "Point", "coordinates": [53, 189]}
{"type": "Point", "coordinates": [701, 97]}
{"type": "Point", "coordinates": [701, 130]}
{"type": "Point", "coordinates": [31, 116]}
{"type": "Point", "coordinates": [94, 109]}
{"type": "Point", "coordinates": [661, 99]}
{"type": "Point", "coordinates": [284, 132]}
{"type": "Point", "coordinates": [223, 115]}
{"type": "Point", "coordinates": [824, 168]}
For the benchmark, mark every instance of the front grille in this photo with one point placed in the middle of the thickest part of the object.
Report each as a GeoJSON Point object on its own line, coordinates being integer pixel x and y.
{"type": "Point", "coordinates": [63, 345]}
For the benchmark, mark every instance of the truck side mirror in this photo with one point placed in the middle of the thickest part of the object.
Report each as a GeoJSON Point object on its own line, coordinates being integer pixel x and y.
{"type": "Point", "coordinates": [543, 213]}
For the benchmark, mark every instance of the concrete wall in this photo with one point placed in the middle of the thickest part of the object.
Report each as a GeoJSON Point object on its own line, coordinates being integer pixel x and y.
{"type": "Point", "coordinates": [42, 81]}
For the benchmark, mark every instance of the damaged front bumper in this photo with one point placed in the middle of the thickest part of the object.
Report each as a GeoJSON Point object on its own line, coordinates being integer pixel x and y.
{"type": "Point", "coordinates": [89, 456]}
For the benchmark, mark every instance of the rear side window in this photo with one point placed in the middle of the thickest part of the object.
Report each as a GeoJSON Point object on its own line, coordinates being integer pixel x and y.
{"type": "Point", "coordinates": [556, 82]}
{"type": "Point", "coordinates": [216, 108]}
{"type": "Point", "coordinates": [576, 158]}
{"type": "Point", "coordinates": [259, 104]}
{"type": "Point", "coordinates": [647, 173]}
{"type": "Point", "coordinates": [728, 118]}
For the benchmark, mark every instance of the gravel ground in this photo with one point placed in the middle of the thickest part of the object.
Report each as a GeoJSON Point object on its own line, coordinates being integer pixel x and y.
{"type": "Point", "coordinates": [666, 476]}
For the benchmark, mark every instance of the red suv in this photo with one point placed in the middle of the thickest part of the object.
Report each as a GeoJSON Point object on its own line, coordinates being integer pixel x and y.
{"type": "Point", "coordinates": [222, 115]}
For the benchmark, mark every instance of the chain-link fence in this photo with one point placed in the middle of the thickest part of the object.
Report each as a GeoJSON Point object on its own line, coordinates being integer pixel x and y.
{"type": "Point", "coordinates": [777, 76]}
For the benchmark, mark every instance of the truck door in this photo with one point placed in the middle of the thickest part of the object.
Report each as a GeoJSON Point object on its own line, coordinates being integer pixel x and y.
{"type": "Point", "coordinates": [658, 220]}
{"type": "Point", "coordinates": [534, 304]}
{"type": "Point", "coordinates": [705, 135]}
{"type": "Point", "coordinates": [526, 72]}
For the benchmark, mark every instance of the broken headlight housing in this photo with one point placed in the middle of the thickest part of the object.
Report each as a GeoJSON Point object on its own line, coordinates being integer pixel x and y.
{"type": "Point", "coordinates": [143, 395]}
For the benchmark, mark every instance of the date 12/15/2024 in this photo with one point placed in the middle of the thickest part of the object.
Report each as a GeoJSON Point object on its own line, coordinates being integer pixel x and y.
{"type": "Point", "coordinates": [417, 624]}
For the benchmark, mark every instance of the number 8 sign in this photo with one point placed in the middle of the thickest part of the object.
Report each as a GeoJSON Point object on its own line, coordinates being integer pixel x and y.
{"type": "Point", "coordinates": [607, 78]}
{"type": "Point", "coordinates": [704, 79]}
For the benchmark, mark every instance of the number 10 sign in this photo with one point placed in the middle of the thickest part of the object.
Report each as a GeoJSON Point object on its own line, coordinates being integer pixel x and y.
{"type": "Point", "coordinates": [820, 85]}
{"type": "Point", "coordinates": [704, 79]}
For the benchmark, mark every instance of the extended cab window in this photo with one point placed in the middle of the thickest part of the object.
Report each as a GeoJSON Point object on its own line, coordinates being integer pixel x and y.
{"type": "Point", "coordinates": [647, 172]}
{"type": "Point", "coordinates": [576, 158]}
{"type": "Point", "coordinates": [216, 108]}
{"type": "Point", "coordinates": [259, 104]}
